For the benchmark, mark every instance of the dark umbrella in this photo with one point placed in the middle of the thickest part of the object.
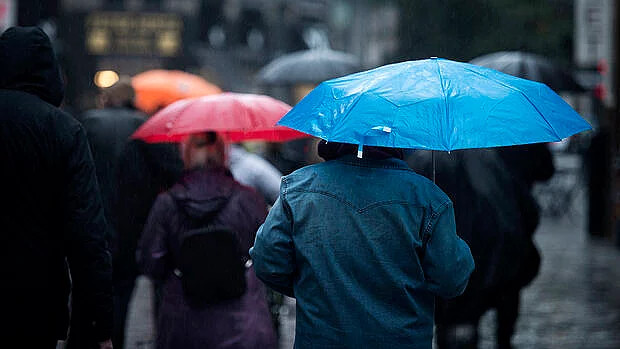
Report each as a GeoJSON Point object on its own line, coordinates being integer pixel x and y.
{"type": "Point", "coordinates": [532, 67]}
{"type": "Point", "coordinates": [309, 66]}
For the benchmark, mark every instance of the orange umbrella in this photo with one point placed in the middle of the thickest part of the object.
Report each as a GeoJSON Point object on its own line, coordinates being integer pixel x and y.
{"type": "Point", "coordinates": [158, 88]}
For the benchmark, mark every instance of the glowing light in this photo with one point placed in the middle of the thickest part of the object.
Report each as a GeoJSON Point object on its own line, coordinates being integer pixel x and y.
{"type": "Point", "coordinates": [105, 78]}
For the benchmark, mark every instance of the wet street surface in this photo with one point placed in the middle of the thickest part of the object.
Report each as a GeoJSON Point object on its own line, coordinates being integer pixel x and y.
{"type": "Point", "coordinates": [574, 303]}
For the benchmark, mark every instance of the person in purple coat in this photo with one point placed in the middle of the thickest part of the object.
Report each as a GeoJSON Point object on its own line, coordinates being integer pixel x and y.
{"type": "Point", "coordinates": [206, 189]}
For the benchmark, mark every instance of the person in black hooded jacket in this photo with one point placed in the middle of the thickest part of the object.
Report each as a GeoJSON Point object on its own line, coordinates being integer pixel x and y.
{"type": "Point", "coordinates": [144, 170]}
{"type": "Point", "coordinates": [52, 224]}
{"type": "Point", "coordinates": [109, 129]}
{"type": "Point", "coordinates": [489, 217]}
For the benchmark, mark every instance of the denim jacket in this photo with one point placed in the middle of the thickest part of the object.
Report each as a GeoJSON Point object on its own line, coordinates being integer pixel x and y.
{"type": "Point", "coordinates": [364, 246]}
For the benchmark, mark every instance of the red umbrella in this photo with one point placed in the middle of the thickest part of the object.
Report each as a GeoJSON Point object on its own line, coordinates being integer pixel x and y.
{"type": "Point", "coordinates": [238, 116]}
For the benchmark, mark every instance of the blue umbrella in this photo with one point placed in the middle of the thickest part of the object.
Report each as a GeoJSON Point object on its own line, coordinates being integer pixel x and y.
{"type": "Point", "coordinates": [434, 104]}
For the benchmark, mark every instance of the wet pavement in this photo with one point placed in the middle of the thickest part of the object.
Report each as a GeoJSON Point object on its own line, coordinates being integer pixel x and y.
{"type": "Point", "coordinates": [574, 303]}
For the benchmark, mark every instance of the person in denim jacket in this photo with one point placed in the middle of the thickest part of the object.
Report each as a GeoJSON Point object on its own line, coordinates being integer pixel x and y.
{"type": "Point", "coordinates": [364, 245]}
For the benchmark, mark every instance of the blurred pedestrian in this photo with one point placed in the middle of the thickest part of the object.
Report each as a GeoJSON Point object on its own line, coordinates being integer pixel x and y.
{"type": "Point", "coordinates": [365, 246]}
{"type": "Point", "coordinates": [488, 218]}
{"type": "Point", "coordinates": [292, 155]}
{"type": "Point", "coordinates": [53, 227]}
{"type": "Point", "coordinates": [144, 171]}
{"type": "Point", "coordinates": [597, 162]}
{"type": "Point", "coordinates": [529, 164]}
{"type": "Point", "coordinates": [207, 194]}
{"type": "Point", "coordinates": [108, 129]}
{"type": "Point", "coordinates": [254, 171]}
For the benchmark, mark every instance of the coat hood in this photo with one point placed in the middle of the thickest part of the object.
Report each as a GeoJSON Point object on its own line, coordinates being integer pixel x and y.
{"type": "Point", "coordinates": [334, 150]}
{"type": "Point", "coordinates": [28, 63]}
{"type": "Point", "coordinates": [202, 193]}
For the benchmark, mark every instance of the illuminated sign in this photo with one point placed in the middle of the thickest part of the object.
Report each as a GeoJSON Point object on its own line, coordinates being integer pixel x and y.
{"type": "Point", "coordinates": [134, 34]}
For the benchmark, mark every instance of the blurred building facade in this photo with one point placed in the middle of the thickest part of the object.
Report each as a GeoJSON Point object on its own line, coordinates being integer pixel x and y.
{"type": "Point", "coordinates": [226, 41]}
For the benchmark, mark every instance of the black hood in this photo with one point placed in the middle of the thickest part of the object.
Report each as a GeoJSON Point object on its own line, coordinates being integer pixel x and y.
{"type": "Point", "coordinates": [28, 64]}
{"type": "Point", "coordinates": [334, 150]}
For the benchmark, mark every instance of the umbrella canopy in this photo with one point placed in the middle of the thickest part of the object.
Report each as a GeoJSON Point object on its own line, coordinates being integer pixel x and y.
{"type": "Point", "coordinates": [158, 88]}
{"type": "Point", "coordinates": [532, 67]}
{"type": "Point", "coordinates": [308, 66]}
{"type": "Point", "coordinates": [238, 116]}
{"type": "Point", "coordinates": [434, 104]}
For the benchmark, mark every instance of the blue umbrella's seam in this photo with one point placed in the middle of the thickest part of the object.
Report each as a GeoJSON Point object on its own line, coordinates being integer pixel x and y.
{"type": "Point", "coordinates": [445, 97]}
{"type": "Point", "coordinates": [523, 94]}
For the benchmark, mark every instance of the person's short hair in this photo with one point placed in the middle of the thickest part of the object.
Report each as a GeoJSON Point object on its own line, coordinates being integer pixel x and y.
{"type": "Point", "coordinates": [207, 149]}
{"type": "Point", "coordinates": [119, 95]}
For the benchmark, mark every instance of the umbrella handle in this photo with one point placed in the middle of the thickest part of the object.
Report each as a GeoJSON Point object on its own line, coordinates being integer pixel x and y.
{"type": "Point", "coordinates": [433, 161]}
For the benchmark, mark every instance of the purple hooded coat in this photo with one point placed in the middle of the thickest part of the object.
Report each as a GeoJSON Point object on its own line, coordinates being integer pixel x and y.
{"type": "Point", "coordinates": [240, 324]}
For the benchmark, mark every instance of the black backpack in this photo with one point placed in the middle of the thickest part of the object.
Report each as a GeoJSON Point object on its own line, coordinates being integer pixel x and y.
{"type": "Point", "coordinates": [211, 265]}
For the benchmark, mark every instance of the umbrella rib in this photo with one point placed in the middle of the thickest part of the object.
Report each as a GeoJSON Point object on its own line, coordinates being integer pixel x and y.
{"type": "Point", "coordinates": [178, 116]}
{"type": "Point", "coordinates": [443, 92]}
{"type": "Point", "coordinates": [355, 102]}
{"type": "Point", "coordinates": [523, 94]}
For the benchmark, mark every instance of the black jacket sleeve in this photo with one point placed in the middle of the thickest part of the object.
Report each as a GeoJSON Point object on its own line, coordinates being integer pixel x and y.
{"type": "Point", "coordinates": [87, 250]}
{"type": "Point", "coordinates": [144, 171]}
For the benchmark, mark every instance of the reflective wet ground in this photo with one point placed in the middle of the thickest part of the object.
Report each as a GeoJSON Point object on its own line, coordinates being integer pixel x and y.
{"type": "Point", "coordinates": [574, 303]}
